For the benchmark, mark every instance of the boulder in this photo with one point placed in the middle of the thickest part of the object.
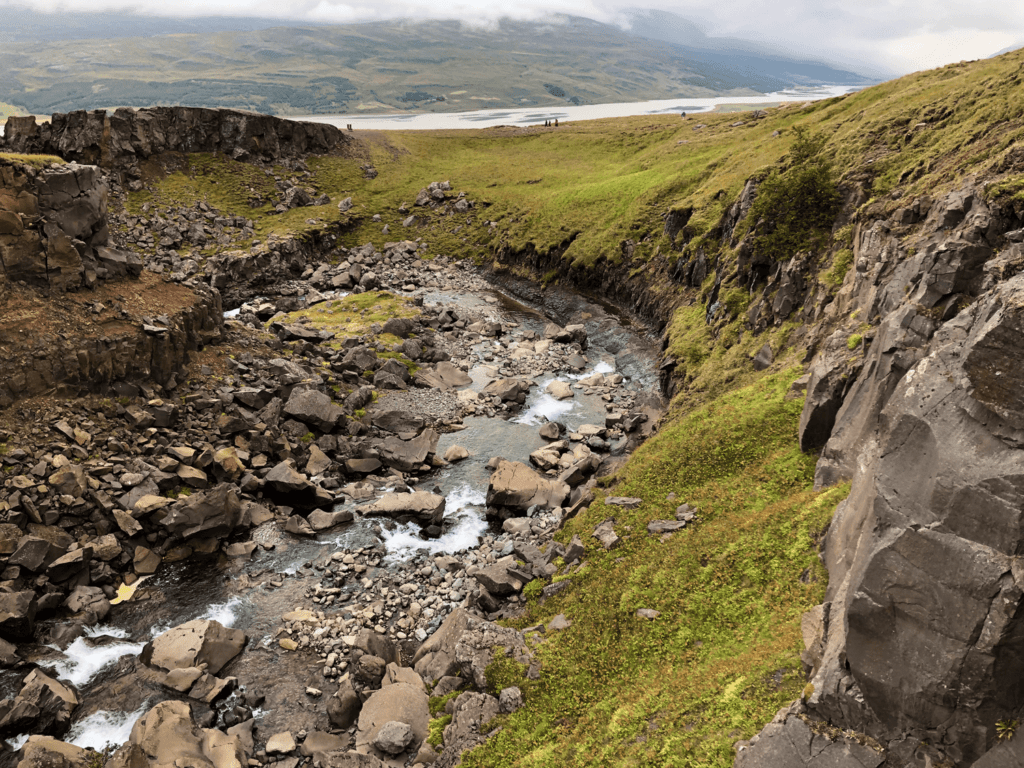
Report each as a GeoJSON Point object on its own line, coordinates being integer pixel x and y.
{"type": "Point", "coordinates": [293, 488]}
{"type": "Point", "coordinates": [514, 485]}
{"type": "Point", "coordinates": [499, 578]}
{"type": "Point", "coordinates": [47, 752]}
{"type": "Point", "coordinates": [394, 737]}
{"type": "Point", "coordinates": [343, 707]}
{"type": "Point", "coordinates": [35, 554]}
{"type": "Point", "coordinates": [399, 422]}
{"type": "Point", "coordinates": [202, 641]}
{"type": "Point", "coordinates": [211, 514]}
{"type": "Point", "coordinates": [394, 703]}
{"type": "Point", "coordinates": [428, 508]}
{"type": "Point", "coordinates": [560, 390]}
{"type": "Point", "coordinates": [436, 657]}
{"type": "Point", "coordinates": [408, 455]}
{"type": "Point", "coordinates": [552, 430]}
{"type": "Point", "coordinates": [455, 453]}
{"type": "Point", "coordinates": [444, 375]}
{"type": "Point", "coordinates": [319, 520]}
{"type": "Point", "coordinates": [508, 390]}
{"type": "Point", "coordinates": [314, 408]}
{"type": "Point", "coordinates": [477, 645]}
{"type": "Point", "coordinates": [167, 737]}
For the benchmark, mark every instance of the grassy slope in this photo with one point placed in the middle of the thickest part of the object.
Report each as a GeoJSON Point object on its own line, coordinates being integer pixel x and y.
{"type": "Point", "coordinates": [617, 690]}
{"type": "Point", "coordinates": [722, 657]}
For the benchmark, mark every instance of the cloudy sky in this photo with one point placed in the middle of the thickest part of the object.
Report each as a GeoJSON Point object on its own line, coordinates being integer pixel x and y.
{"type": "Point", "coordinates": [896, 35]}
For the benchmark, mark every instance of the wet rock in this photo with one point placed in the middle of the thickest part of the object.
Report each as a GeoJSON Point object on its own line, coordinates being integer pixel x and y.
{"type": "Point", "coordinates": [298, 526]}
{"type": "Point", "coordinates": [47, 752]}
{"type": "Point", "coordinates": [202, 641]}
{"type": "Point", "coordinates": [560, 390]}
{"type": "Point", "coordinates": [167, 736]}
{"type": "Point", "coordinates": [552, 430]}
{"type": "Point", "coordinates": [516, 486]}
{"type": "Point", "coordinates": [428, 508]}
{"type": "Point", "coordinates": [88, 601]}
{"type": "Point", "coordinates": [455, 453]}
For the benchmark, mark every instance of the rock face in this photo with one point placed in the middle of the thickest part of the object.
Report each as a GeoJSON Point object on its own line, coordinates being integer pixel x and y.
{"type": "Point", "coordinates": [53, 228]}
{"type": "Point", "coordinates": [193, 643]}
{"type": "Point", "coordinates": [130, 135]}
{"type": "Point", "coordinates": [919, 636]}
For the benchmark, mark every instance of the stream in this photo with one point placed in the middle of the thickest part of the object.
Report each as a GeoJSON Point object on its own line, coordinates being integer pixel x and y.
{"type": "Point", "coordinates": [251, 596]}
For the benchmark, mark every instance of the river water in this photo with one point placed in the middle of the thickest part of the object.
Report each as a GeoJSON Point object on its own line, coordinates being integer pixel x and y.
{"type": "Point", "coordinates": [490, 118]}
{"type": "Point", "coordinates": [115, 689]}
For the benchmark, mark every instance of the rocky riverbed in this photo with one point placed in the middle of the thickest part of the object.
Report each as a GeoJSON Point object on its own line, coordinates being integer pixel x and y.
{"type": "Point", "coordinates": [280, 555]}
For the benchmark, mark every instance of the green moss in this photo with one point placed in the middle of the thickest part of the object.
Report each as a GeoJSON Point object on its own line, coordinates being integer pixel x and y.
{"type": "Point", "coordinates": [438, 703]}
{"type": "Point", "coordinates": [437, 726]}
{"type": "Point", "coordinates": [308, 438]}
{"type": "Point", "coordinates": [503, 671]}
{"type": "Point", "coordinates": [841, 264]}
{"type": "Point", "coordinates": [533, 590]}
{"type": "Point", "coordinates": [36, 161]}
{"type": "Point", "coordinates": [854, 341]}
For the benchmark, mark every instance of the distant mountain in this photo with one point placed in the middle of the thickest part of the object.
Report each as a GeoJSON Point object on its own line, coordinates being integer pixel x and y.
{"type": "Point", "coordinates": [742, 55]}
{"type": "Point", "coordinates": [376, 67]}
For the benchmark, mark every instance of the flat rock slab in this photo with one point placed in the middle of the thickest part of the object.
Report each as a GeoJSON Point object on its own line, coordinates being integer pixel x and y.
{"type": "Point", "coordinates": [426, 507]}
{"type": "Point", "coordinates": [194, 643]}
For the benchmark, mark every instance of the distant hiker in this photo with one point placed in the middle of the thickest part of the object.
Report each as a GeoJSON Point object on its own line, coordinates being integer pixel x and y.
{"type": "Point", "coordinates": [684, 115]}
{"type": "Point", "coordinates": [556, 122]}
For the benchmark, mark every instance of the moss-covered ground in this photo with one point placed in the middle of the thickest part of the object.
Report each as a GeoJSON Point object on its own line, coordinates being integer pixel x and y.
{"type": "Point", "coordinates": [36, 161]}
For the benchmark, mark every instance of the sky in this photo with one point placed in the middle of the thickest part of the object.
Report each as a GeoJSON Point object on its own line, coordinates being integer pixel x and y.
{"type": "Point", "coordinates": [897, 36]}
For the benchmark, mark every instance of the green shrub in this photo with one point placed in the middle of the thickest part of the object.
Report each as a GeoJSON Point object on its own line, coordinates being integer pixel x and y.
{"type": "Point", "coordinates": [841, 264]}
{"type": "Point", "coordinates": [795, 207]}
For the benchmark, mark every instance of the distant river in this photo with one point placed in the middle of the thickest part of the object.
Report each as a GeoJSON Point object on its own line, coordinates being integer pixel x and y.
{"type": "Point", "coordinates": [488, 118]}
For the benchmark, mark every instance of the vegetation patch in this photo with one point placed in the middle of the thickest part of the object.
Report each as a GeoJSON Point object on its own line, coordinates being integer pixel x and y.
{"type": "Point", "coordinates": [354, 315]}
{"type": "Point", "coordinates": [36, 161]}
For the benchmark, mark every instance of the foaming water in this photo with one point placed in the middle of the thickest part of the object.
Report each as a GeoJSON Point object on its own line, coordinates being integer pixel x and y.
{"type": "Point", "coordinates": [602, 367]}
{"type": "Point", "coordinates": [19, 741]}
{"type": "Point", "coordinates": [83, 661]}
{"type": "Point", "coordinates": [225, 613]}
{"type": "Point", "coordinates": [470, 525]}
{"type": "Point", "coordinates": [543, 407]}
{"type": "Point", "coordinates": [104, 727]}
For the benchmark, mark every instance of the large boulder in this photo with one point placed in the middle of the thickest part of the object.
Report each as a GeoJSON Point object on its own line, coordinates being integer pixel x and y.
{"type": "Point", "coordinates": [291, 487]}
{"type": "Point", "coordinates": [47, 752]}
{"type": "Point", "coordinates": [399, 422]}
{"type": "Point", "coordinates": [314, 408]}
{"type": "Point", "coordinates": [508, 390]}
{"type": "Point", "coordinates": [436, 657]}
{"type": "Point", "coordinates": [167, 737]}
{"type": "Point", "coordinates": [408, 455]}
{"type": "Point", "coordinates": [398, 702]}
{"type": "Point", "coordinates": [515, 486]}
{"type": "Point", "coordinates": [43, 705]}
{"type": "Point", "coordinates": [427, 508]}
{"type": "Point", "coordinates": [202, 641]}
{"type": "Point", "coordinates": [17, 615]}
{"type": "Point", "coordinates": [210, 514]}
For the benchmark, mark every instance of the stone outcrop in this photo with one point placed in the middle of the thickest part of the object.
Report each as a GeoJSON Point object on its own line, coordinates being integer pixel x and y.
{"type": "Point", "coordinates": [53, 228]}
{"type": "Point", "coordinates": [917, 643]}
{"type": "Point", "coordinates": [122, 139]}
{"type": "Point", "coordinates": [516, 487]}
